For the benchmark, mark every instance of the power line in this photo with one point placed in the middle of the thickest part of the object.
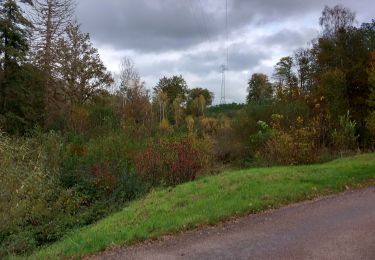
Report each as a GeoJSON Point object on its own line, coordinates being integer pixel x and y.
{"type": "Point", "coordinates": [205, 24]}
{"type": "Point", "coordinates": [199, 19]}
{"type": "Point", "coordinates": [226, 32]}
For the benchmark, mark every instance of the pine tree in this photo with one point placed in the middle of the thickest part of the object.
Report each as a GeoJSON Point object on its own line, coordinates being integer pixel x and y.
{"type": "Point", "coordinates": [21, 95]}
{"type": "Point", "coordinates": [14, 33]}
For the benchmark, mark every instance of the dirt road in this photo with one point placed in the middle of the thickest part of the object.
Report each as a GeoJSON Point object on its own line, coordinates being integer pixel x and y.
{"type": "Point", "coordinates": [334, 227]}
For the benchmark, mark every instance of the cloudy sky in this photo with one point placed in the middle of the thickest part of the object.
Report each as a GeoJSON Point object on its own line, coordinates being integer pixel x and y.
{"type": "Point", "coordinates": [187, 37]}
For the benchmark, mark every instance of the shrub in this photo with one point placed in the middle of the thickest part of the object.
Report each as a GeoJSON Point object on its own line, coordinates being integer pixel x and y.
{"type": "Point", "coordinates": [296, 145]}
{"type": "Point", "coordinates": [209, 125]}
{"type": "Point", "coordinates": [49, 187]}
{"type": "Point", "coordinates": [79, 120]}
{"type": "Point", "coordinates": [93, 120]}
{"type": "Point", "coordinates": [103, 120]}
{"type": "Point", "coordinates": [227, 148]}
{"type": "Point", "coordinates": [165, 127]}
{"type": "Point", "coordinates": [245, 125]}
{"type": "Point", "coordinates": [135, 130]}
{"type": "Point", "coordinates": [18, 244]}
{"type": "Point", "coordinates": [190, 124]}
{"type": "Point", "coordinates": [32, 202]}
{"type": "Point", "coordinates": [291, 109]}
{"type": "Point", "coordinates": [100, 166]}
{"type": "Point", "coordinates": [262, 135]}
{"type": "Point", "coordinates": [370, 123]}
{"type": "Point", "coordinates": [173, 161]}
{"type": "Point", "coordinates": [344, 137]}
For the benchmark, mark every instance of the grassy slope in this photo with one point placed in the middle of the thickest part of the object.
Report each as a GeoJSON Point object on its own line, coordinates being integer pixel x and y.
{"type": "Point", "coordinates": [213, 199]}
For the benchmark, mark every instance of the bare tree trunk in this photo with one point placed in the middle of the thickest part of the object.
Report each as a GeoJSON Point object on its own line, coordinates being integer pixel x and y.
{"type": "Point", "coordinates": [47, 57]}
{"type": "Point", "coordinates": [50, 18]}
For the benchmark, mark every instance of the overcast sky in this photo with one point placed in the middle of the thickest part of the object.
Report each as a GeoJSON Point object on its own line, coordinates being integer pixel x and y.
{"type": "Point", "coordinates": [187, 37]}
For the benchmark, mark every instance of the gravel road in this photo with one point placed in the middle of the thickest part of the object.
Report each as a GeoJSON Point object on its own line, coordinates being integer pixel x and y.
{"type": "Point", "coordinates": [333, 227]}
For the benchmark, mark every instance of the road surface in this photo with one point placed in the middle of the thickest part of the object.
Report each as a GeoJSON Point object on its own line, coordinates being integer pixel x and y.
{"type": "Point", "coordinates": [334, 227]}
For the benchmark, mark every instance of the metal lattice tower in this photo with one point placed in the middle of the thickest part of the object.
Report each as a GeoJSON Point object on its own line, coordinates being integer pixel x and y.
{"type": "Point", "coordinates": [224, 67]}
{"type": "Point", "coordinates": [223, 83]}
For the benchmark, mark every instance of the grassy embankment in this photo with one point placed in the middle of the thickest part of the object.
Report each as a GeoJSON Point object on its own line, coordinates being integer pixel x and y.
{"type": "Point", "coordinates": [212, 199]}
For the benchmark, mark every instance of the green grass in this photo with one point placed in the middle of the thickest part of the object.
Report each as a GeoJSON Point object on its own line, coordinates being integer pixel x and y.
{"type": "Point", "coordinates": [213, 199]}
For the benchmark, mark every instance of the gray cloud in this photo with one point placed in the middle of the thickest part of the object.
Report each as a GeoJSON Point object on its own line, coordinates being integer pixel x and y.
{"type": "Point", "coordinates": [260, 32]}
{"type": "Point", "coordinates": [242, 57]}
{"type": "Point", "coordinates": [289, 39]}
{"type": "Point", "coordinates": [145, 25]}
{"type": "Point", "coordinates": [155, 25]}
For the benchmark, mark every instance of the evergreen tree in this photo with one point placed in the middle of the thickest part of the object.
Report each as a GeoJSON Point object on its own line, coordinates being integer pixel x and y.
{"type": "Point", "coordinates": [20, 96]}
{"type": "Point", "coordinates": [14, 33]}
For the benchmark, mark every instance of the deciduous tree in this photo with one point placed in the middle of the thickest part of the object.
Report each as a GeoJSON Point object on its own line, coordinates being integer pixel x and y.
{"type": "Point", "coordinates": [50, 18]}
{"type": "Point", "coordinates": [336, 18]}
{"type": "Point", "coordinates": [129, 75]}
{"type": "Point", "coordinates": [173, 87]}
{"type": "Point", "coordinates": [198, 100]}
{"type": "Point", "coordinates": [80, 68]}
{"type": "Point", "coordinates": [259, 88]}
{"type": "Point", "coordinates": [284, 74]}
{"type": "Point", "coordinates": [305, 64]}
{"type": "Point", "coordinates": [196, 92]}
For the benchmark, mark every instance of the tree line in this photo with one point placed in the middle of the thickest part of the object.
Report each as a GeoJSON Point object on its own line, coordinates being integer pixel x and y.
{"type": "Point", "coordinates": [47, 63]}
{"type": "Point", "coordinates": [335, 76]}
{"type": "Point", "coordinates": [48, 66]}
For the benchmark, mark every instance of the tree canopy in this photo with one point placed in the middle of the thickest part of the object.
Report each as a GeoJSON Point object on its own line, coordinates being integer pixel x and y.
{"type": "Point", "coordinates": [259, 88]}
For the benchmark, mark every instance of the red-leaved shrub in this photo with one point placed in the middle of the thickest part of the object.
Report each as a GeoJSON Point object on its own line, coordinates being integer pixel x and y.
{"type": "Point", "coordinates": [103, 177]}
{"type": "Point", "coordinates": [173, 161]}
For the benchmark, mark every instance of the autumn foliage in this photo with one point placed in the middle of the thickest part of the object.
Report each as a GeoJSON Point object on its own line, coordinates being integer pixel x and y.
{"type": "Point", "coordinates": [172, 161]}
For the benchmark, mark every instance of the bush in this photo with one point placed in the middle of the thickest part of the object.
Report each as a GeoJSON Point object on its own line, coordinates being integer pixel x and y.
{"type": "Point", "coordinates": [31, 200]}
{"type": "Point", "coordinates": [93, 120]}
{"type": "Point", "coordinates": [245, 125]}
{"type": "Point", "coordinates": [209, 125]}
{"type": "Point", "coordinates": [173, 161]}
{"type": "Point", "coordinates": [79, 120]}
{"type": "Point", "coordinates": [264, 133]}
{"type": "Point", "coordinates": [344, 137]}
{"type": "Point", "coordinates": [18, 244]}
{"type": "Point", "coordinates": [49, 186]}
{"type": "Point", "coordinates": [103, 120]}
{"type": "Point", "coordinates": [291, 109]}
{"type": "Point", "coordinates": [227, 148]}
{"type": "Point", "coordinates": [101, 167]}
{"type": "Point", "coordinates": [296, 145]}
{"type": "Point", "coordinates": [370, 123]}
